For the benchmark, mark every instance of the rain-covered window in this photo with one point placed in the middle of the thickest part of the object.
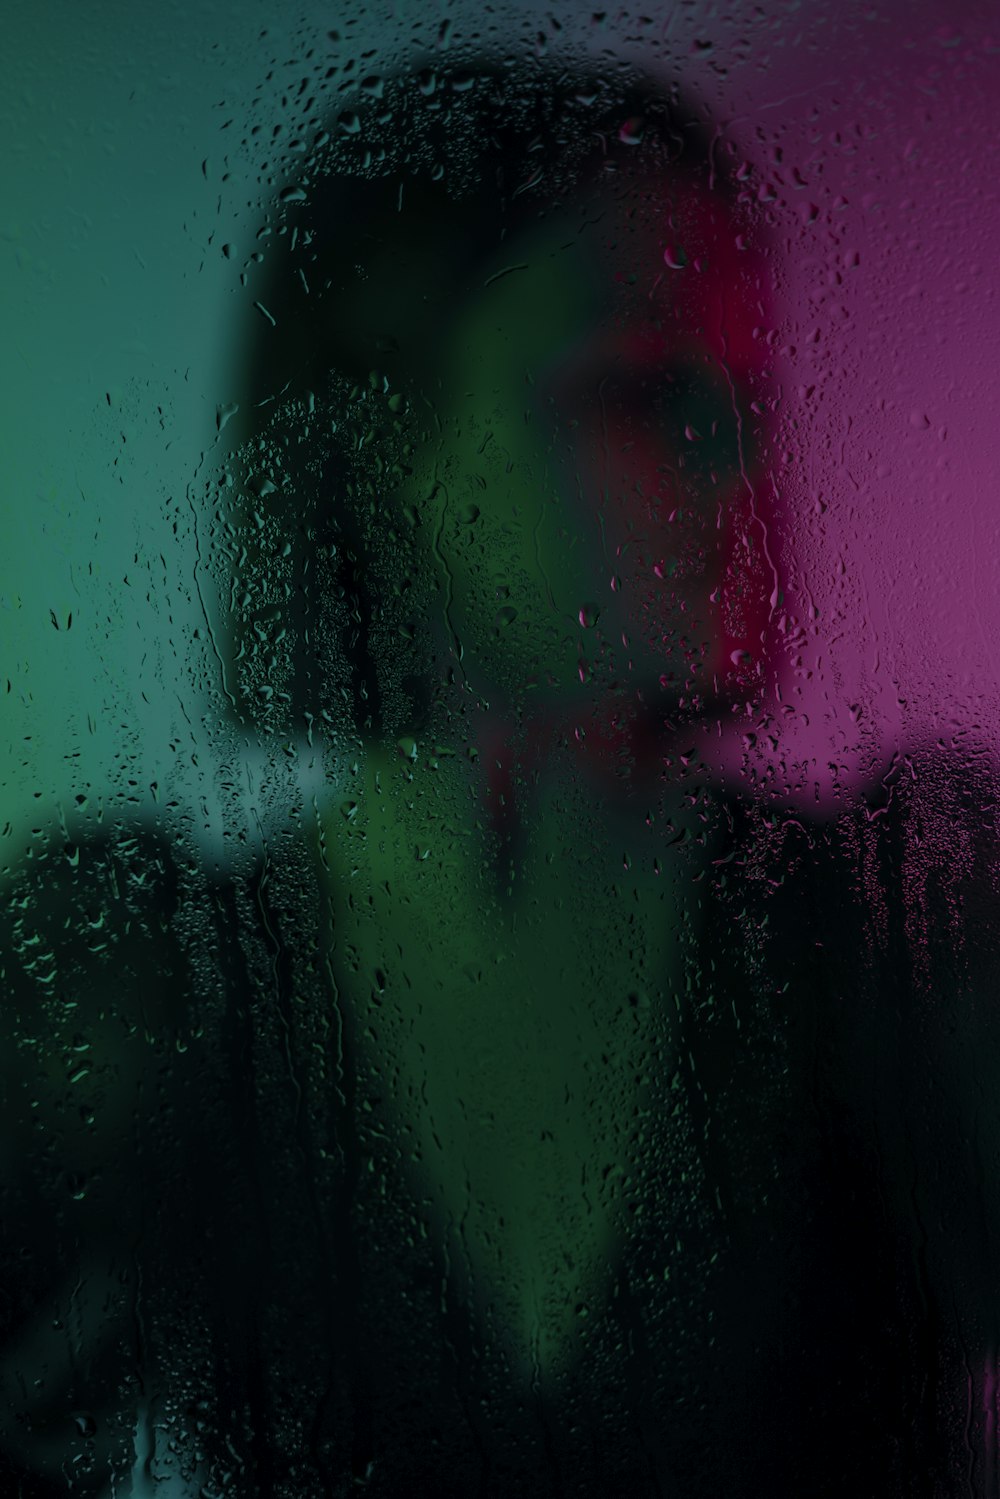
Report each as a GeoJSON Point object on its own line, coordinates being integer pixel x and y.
{"type": "Point", "coordinates": [497, 875]}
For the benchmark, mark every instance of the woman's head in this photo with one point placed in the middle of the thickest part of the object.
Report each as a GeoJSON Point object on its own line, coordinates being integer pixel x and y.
{"type": "Point", "coordinates": [511, 346]}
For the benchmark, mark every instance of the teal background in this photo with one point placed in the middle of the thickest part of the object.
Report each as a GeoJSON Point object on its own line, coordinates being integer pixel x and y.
{"type": "Point", "coordinates": [114, 306]}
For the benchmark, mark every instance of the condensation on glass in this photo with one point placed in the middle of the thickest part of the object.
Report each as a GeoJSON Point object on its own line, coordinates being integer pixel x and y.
{"type": "Point", "coordinates": [548, 1048]}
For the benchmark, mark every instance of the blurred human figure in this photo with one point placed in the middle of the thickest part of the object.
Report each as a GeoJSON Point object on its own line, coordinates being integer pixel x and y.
{"type": "Point", "coordinates": [525, 1115]}
{"type": "Point", "coordinates": [516, 434]}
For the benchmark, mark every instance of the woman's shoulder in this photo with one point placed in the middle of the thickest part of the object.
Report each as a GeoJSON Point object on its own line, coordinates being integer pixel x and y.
{"type": "Point", "coordinates": [108, 932]}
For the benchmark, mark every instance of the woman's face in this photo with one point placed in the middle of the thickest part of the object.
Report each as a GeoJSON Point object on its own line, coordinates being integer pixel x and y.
{"type": "Point", "coordinates": [585, 411]}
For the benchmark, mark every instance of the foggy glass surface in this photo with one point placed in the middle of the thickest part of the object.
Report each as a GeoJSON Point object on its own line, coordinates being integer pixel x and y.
{"type": "Point", "coordinates": [500, 791]}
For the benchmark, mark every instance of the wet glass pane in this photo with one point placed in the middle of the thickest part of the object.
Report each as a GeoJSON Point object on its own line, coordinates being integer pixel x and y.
{"type": "Point", "coordinates": [498, 877]}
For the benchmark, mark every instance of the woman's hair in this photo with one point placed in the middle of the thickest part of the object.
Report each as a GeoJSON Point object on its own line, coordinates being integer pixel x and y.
{"type": "Point", "coordinates": [405, 198]}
